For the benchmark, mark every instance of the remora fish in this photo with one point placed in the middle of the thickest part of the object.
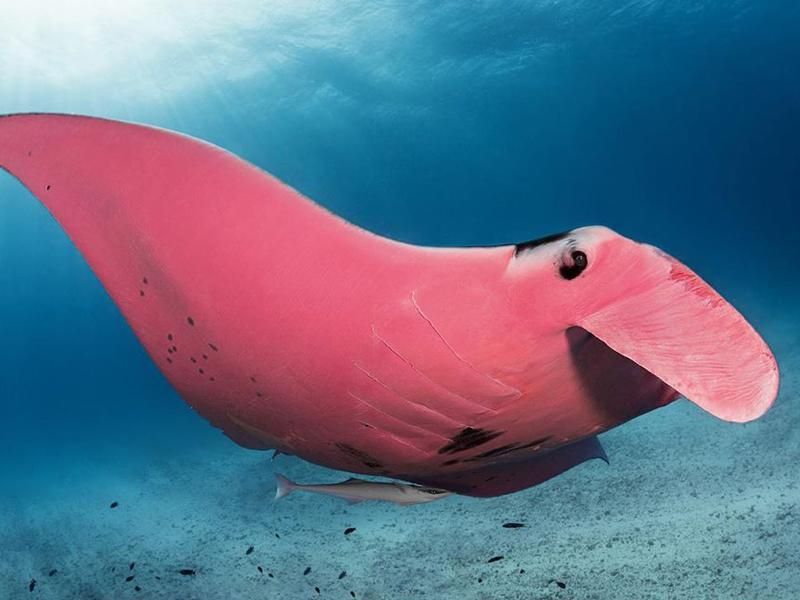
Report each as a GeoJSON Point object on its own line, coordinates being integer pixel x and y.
{"type": "Point", "coordinates": [357, 490]}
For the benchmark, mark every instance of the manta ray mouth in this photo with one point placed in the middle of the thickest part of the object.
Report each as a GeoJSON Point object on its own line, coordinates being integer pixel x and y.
{"type": "Point", "coordinates": [677, 327]}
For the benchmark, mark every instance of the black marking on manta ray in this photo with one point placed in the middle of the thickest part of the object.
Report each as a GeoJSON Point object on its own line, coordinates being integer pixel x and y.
{"type": "Point", "coordinates": [507, 449]}
{"type": "Point", "coordinates": [467, 438]}
{"type": "Point", "coordinates": [190, 321]}
{"type": "Point", "coordinates": [363, 457]}
{"type": "Point", "coordinates": [141, 292]}
{"type": "Point", "coordinates": [213, 347]}
{"type": "Point", "coordinates": [529, 245]}
{"type": "Point", "coordinates": [48, 187]}
{"type": "Point", "coordinates": [144, 280]}
{"type": "Point", "coordinates": [169, 337]}
{"type": "Point", "coordinates": [452, 461]}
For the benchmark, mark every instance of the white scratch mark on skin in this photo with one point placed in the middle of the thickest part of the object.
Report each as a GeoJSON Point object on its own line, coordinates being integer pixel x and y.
{"type": "Point", "coordinates": [426, 377]}
{"type": "Point", "coordinates": [516, 392]}
{"type": "Point", "coordinates": [394, 436]}
{"type": "Point", "coordinates": [409, 400]}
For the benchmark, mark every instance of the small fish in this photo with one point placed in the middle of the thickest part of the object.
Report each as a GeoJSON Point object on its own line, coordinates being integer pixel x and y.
{"type": "Point", "coordinates": [52, 572]}
{"type": "Point", "coordinates": [495, 559]}
{"type": "Point", "coordinates": [513, 525]}
{"type": "Point", "coordinates": [357, 490]}
{"type": "Point", "coordinates": [129, 578]}
{"type": "Point", "coordinates": [130, 568]}
{"type": "Point", "coordinates": [276, 453]}
{"type": "Point", "coordinates": [307, 571]}
{"type": "Point", "coordinates": [114, 504]}
{"type": "Point", "coordinates": [349, 530]}
{"type": "Point", "coordinates": [137, 588]}
{"type": "Point", "coordinates": [561, 584]}
{"type": "Point", "coordinates": [32, 585]}
{"type": "Point", "coordinates": [260, 570]}
{"type": "Point", "coordinates": [316, 589]}
{"type": "Point", "coordinates": [343, 574]}
{"type": "Point", "coordinates": [250, 550]}
{"type": "Point", "coordinates": [187, 572]}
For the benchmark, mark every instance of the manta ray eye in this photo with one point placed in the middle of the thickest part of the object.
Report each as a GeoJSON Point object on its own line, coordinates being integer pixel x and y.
{"type": "Point", "coordinates": [579, 264]}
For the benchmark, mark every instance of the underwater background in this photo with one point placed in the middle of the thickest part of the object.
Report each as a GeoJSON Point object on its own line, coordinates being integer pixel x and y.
{"type": "Point", "coordinates": [438, 123]}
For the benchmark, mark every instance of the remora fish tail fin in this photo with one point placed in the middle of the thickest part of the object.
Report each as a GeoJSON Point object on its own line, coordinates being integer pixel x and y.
{"type": "Point", "coordinates": [285, 486]}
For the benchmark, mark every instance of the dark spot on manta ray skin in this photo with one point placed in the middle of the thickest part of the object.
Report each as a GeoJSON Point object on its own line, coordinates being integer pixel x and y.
{"type": "Point", "coordinates": [213, 347]}
{"type": "Point", "coordinates": [47, 188]}
{"type": "Point", "coordinates": [360, 455]}
{"type": "Point", "coordinates": [211, 379]}
{"type": "Point", "coordinates": [193, 359]}
{"type": "Point", "coordinates": [205, 356]}
{"type": "Point", "coordinates": [169, 337]}
{"type": "Point", "coordinates": [523, 246]}
{"type": "Point", "coordinates": [169, 350]}
{"type": "Point", "coordinates": [488, 479]}
{"type": "Point", "coordinates": [252, 378]}
{"type": "Point", "coordinates": [259, 394]}
{"type": "Point", "coordinates": [144, 280]}
{"type": "Point", "coordinates": [29, 152]}
{"type": "Point", "coordinates": [507, 449]}
{"type": "Point", "coordinates": [579, 264]}
{"type": "Point", "coordinates": [141, 292]}
{"type": "Point", "coordinates": [190, 321]}
{"type": "Point", "coordinates": [467, 438]}
{"type": "Point", "coordinates": [201, 371]}
{"type": "Point", "coordinates": [169, 360]}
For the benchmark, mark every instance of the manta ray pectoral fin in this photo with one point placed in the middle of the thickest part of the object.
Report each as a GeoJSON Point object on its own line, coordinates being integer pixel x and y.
{"type": "Point", "coordinates": [673, 324]}
{"type": "Point", "coordinates": [499, 479]}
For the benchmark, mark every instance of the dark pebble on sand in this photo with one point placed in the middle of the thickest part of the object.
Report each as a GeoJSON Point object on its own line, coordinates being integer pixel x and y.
{"type": "Point", "coordinates": [343, 574]}
{"type": "Point", "coordinates": [250, 550]}
{"type": "Point", "coordinates": [114, 504]}
{"type": "Point", "coordinates": [52, 572]}
{"type": "Point", "coordinates": [32, 585]}
{"type": "Point", "coordinates": [187, 572]}
{"type": "Point", "coordinates": [513, 525]}
{"type": "Point", "coordinates": [495, 558]}
{"type": "Point", "coordinates": [349, 530]}
{"type": "Point", "coordinates": [307, 571]}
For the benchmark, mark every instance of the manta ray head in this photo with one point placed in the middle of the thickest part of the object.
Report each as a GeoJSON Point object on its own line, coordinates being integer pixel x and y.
{"type": "Point", "coordinates": [651, 308]}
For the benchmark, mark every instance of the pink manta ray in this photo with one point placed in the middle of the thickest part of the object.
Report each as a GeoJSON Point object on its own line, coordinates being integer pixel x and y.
{"type": "Point", "coordinates": [481, 371]}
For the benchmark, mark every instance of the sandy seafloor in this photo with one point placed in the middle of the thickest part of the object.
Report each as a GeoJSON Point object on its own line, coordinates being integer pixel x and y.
{"type": "Point", "coordinates": [690, 507]}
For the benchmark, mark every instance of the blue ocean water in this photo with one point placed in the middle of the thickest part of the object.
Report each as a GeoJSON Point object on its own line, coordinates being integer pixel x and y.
{"type": "Point", "coordinates": [450, 123]}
